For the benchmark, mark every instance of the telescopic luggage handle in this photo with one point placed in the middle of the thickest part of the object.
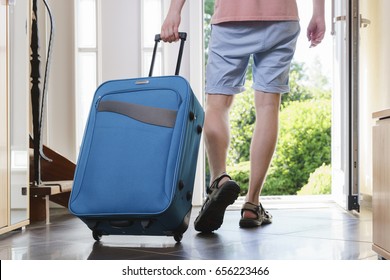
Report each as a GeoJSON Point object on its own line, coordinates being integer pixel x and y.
{"type": "Point", "coordinates": [157, 39]}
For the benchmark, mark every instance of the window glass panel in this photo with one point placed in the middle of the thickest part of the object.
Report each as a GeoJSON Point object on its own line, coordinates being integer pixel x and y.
{"type": "Point", "coordinates": [86, 24]}
{"type": "Point", "coordinates": [86, 86]}
{"type": "Point", "coordinates": [151, 21]}
{"type": "Point", "coordinates": [157, 70]}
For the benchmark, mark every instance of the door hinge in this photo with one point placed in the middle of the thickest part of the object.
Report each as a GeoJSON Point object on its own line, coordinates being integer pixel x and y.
{"type": "Point", "coordinates": [353, 203]}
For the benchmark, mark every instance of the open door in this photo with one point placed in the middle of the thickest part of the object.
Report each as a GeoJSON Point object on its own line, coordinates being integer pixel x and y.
{"type": "Point", "coordinates": [345, 115]}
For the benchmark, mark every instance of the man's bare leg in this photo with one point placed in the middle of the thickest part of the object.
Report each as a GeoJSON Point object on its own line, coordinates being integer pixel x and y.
{"type": "Point", "coordinates": [217, 132]}
{"type": "Point", "coordinates": [223, 191]}
{"type": "Point", "coordinates": [263, 144]}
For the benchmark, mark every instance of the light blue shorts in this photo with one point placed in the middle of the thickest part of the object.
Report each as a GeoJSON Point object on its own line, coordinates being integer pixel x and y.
{"type": "Point", "coordinates": [272, 45]}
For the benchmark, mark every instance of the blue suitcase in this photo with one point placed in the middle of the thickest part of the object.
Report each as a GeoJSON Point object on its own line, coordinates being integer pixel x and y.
{"type": "Point", "coordinates": [136, 169]}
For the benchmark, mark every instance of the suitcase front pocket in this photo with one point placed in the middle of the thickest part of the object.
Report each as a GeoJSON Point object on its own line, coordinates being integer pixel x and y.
{"type": "Point", "coordinates": [127, 161]}
{"type": "Point", "coordinates": [146, 114]}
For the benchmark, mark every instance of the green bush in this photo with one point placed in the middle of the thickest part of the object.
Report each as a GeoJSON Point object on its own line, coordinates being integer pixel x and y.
{"type": "Point", "coordinates": [304, 144]}
{"type": "Point", "coordinates": [320, 182]}
{"type": "Point", "coordinates": [297, 79]}
{"type": "Point", "coordinates": [240, 173]}
{"type": "Point", "coordinates": [242, 119]}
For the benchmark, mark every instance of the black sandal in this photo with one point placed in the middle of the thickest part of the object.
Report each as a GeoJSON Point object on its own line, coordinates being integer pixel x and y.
{"type": "Point", "coordinates": [211, 215]}
{"type": "Point", "coordinates": [262, 216]}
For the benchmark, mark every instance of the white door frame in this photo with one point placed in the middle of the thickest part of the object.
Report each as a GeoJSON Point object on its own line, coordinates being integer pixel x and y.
{"type": "Point", "coordinates": [196, 62]}
{"type": "Point", "coordinates": [345, 115]}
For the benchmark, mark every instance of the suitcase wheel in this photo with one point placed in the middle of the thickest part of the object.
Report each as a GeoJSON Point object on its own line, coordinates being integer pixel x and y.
{"type": "Point", "coordinates": [178, 237]}
{"type": "Point", "coordinates": [96, 235]}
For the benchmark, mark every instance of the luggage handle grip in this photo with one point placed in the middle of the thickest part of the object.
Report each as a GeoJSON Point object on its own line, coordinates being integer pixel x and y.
{"type": "Point", "coordinates": [157, 39]}
{"type": "Point", "coordinates": [182, 36]}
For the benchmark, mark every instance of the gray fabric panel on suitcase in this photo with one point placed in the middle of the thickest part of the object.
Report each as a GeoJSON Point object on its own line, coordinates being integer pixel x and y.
{"type": "Point", "coordinates": [146, 114]}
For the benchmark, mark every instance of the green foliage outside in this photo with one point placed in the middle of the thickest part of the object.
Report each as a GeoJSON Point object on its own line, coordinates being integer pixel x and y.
{"type": "Point", "coordinates": [297, 80]}
{"type": "Point", "coordinates": [320, 182]}
{"type": "Point", "coordinates": [303, 145]}
{"type": "Point", "coordinates": [240, 174]}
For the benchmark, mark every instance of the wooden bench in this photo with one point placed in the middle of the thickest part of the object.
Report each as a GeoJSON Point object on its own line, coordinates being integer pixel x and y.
{"type": "Point", "coordinates": [40, 197]}
{"type": "Point", "coordinates": [57, 180]}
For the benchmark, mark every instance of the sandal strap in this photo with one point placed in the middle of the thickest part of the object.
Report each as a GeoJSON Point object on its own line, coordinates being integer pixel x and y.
{"type": "Point", "coordinates": [248, 206]}
{"type": "Point", "coordinates": [266, 213]}
{"type": "Point", "coordinates": [215, 183]}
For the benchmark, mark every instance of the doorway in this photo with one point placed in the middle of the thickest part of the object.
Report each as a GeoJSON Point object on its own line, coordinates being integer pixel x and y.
{"type": "Point", "coordinates": [361, 64]}
{"type": "Point", "coordinates": [310, 83]}
{"type": "Point", "coordinates": [338, 57]}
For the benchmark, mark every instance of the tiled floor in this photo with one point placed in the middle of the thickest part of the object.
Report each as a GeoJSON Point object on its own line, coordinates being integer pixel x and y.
{"type": "Point", "coordinates": [300, 231]}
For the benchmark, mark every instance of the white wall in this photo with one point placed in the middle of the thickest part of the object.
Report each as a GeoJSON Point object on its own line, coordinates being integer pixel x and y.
{"type": "Point", "coordinates": [375, 43]}
{"type": "Point", "coordinates": [120, 39]}
{"type": "Point", "coordinates": [60, 122]}
{"type": "Point", "coordinates": [374, 79]}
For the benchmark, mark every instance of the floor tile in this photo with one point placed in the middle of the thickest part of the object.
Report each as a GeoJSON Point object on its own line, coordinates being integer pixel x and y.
{"type": "Point", "coordinates": [299, 232]}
